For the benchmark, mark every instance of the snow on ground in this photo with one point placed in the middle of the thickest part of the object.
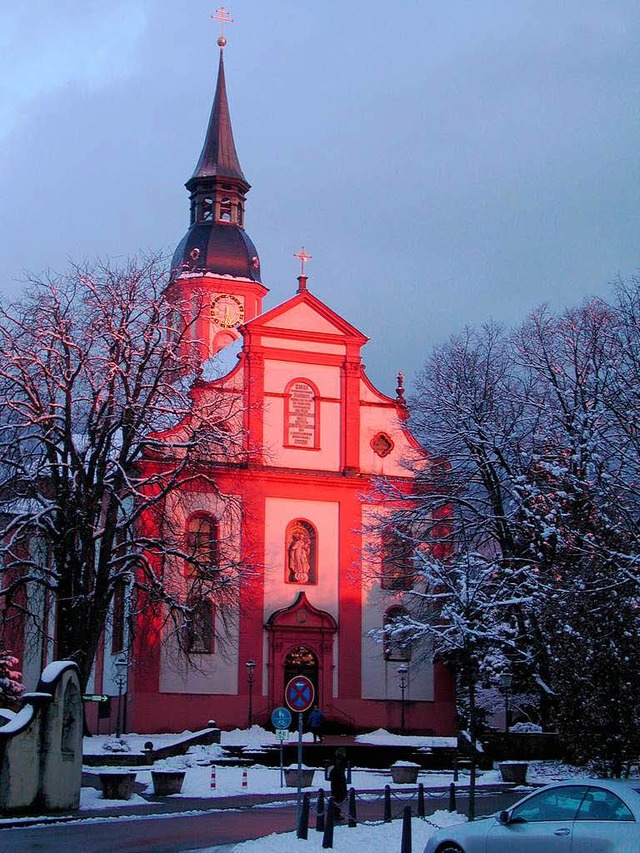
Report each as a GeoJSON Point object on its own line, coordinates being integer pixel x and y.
{"type": "Point", "coordinates": [257, 736]}
{"type": "Point", "coordinates": [373, 839]}
{"type": "Point", "coordinates": [384, 738]}
{"type": "Point", "coordinates": [266, 780]}
{"type": "Point", "coordinates": [229, 782]}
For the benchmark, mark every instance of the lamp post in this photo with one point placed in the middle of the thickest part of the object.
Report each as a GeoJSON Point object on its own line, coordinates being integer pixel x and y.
{"type": "Point", "coordinates": [506, 681]}
{"type": "Point", "coordinates": [402, 672]}
{"type": "Point", "coordinates": [251, 667]}
{"type": "Point", "coordinates": [120, 665]}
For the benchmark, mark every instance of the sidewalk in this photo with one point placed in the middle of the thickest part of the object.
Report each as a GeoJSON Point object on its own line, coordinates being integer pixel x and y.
{"type": "Point", "coordinates": [156, 806]}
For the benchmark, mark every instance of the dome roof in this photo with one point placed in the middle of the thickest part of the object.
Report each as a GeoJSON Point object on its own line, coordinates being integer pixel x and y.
{"type": "Point", "coordinates": [221, 249]}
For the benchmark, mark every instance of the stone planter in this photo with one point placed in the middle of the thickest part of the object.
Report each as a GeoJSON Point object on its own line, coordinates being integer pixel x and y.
{"type": "Point", "coordinates": [404, 774]}
{"type": "Point", "coordinates": [167, 782]}
{"type": "Point", "coordinates": [514, 772]}
{"type": "Point", "coordinates": [117, 786]}
{"type": "Point", "coordinates": [291, 777]}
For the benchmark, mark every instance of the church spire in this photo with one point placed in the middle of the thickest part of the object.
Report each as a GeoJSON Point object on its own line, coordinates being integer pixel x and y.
{"type": "Point", "coordinates": [219, 157]}
{"type": "Point", "coordinates": [218, 185]}
{"type": "Point", "coordinates": [216, 266]}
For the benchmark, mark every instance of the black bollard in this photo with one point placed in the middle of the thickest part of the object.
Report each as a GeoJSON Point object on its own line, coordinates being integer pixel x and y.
{"type": "Point", "coordinates": [327, 838]}
{"type": "Point", "coordinates": [320, 811]}
{"type": "Point", "coordinates": [387, 804]}
{"type": "Point", "coordinates": [420, 800]}
{"type": "Point", "coordinates": [452, 797]}
{"type": "Point", "coordinates": [303, 826]}
{"type": "Point", "coordinates": [405, 844]}
{"type": "Point", "coordinates": [352, 808]}
{"type": "Point", "coordinates": [348, 772]}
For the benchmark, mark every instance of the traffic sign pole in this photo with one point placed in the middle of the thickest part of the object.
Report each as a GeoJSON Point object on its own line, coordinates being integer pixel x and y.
{"type": "Point", "coordinates": [299, 695]}
{"type": "Point", "coordinates": [281, 719]}
{"type": "Point", "coordinates": [299, 809]}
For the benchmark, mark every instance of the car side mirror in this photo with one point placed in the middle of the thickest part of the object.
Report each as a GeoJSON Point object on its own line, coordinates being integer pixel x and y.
{"type": "Point", "coordinates": [503, 817]}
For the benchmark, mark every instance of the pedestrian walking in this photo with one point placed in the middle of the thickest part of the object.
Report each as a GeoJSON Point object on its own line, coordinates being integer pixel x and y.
{"type": "Point", "coordinates": [316, 719]}
{"type": "Point", "coordinates": [338, 778]}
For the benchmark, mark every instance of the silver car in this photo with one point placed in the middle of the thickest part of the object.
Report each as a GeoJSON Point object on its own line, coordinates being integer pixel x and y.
{"type": "Point", "coordinates": [583, 816]}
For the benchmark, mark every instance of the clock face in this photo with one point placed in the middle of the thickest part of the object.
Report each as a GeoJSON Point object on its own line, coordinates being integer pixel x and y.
{"type": "Point", "coordinates": [227, 310]}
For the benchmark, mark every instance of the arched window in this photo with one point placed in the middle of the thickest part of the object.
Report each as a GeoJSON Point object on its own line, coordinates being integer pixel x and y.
{"type": "Point", "coordinates": [397, 562]}
{"type": "Point", "coordinates": [301, 415]}
{"type": "Point", "coordinates": [225, 209]}
{"type": "Point", "coordinates": [301, 553]}
{"type": "Point", "coordinates": [202, 551]}
{"type": "Point", "coordinates": [200, 628]}
{"type": "Point", "coordinates": [397, 642]}
{"type": "Point", "coordinates": [206, 210]}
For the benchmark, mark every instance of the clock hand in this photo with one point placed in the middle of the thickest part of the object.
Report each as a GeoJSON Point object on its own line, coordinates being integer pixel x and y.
{"type": "Point", "coordinates": [227, 318]}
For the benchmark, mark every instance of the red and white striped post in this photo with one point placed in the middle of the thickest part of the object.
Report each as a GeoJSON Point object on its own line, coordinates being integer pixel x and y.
{"type": "Point", "coordinates": [244, 778]}
{"type": "Point", "coordinates": [212, 784]}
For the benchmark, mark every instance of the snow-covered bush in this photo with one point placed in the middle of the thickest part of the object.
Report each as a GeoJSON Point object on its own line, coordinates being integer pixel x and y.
{"type": "Point", "coordinates": [11, 686]}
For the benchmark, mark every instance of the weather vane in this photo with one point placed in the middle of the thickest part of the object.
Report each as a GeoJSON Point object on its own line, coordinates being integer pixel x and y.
{"type": "Point", "coordinates": [303, 257]}
{"type": "Point", "coordinates": [224, 16]}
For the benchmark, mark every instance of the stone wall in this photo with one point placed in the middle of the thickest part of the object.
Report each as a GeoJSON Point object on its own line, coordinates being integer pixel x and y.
{"type": "Point", "coordinates": [41, 746]}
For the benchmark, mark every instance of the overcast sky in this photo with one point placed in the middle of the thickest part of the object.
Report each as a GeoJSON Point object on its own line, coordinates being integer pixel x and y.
{"type": "Point", "coordinates": [443, 162]}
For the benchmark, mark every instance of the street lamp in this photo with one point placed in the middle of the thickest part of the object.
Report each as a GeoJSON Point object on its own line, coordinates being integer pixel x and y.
{"type": "Point", "coordinates": [506, 681]}
{"type": "Point", "coordinates": [120, 665]}
{"type": "Point", "coordinates": [402, 672]}
{"type": "Point", "coordinates": [251, 666]}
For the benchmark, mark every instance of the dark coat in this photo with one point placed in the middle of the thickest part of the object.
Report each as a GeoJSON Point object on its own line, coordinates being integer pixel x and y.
{"type": "Point", "coordinates": [316, 719]}
{"type": "Point", "coordinates": [338, 779]}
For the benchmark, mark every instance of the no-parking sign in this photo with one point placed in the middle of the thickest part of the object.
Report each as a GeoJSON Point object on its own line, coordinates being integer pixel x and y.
{"type": "Point", "coordinates": [299, 694]}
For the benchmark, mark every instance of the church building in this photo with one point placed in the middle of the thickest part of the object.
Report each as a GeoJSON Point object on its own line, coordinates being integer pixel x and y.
{"type": "Point", "coordinates": [299, 510]}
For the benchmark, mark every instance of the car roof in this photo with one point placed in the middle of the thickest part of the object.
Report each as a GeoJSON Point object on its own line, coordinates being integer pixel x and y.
{"type": "Point", "coordinates": [619, 786]}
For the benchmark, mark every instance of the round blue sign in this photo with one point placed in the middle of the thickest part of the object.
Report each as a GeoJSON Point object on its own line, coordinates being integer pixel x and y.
{"type": "Point", "coordinates": [281, 718]}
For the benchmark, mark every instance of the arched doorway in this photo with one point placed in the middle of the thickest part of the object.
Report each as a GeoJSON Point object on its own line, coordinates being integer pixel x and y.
{"type": "Point", "coordinates": [302, 661]}
{"type": "Point", "coordinates": [301, 643]}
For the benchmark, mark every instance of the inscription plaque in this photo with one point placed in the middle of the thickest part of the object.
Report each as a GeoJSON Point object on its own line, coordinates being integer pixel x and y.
{"type": "Point", "coordinates": [301, 421]}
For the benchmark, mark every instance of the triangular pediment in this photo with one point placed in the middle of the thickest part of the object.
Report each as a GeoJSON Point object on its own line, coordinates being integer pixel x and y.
{"type": "Point", "coordinates": [305, 314]}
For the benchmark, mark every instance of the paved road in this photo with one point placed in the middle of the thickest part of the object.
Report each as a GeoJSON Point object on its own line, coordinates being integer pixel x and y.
{"type": "Point", "coordinates": [184, 831]}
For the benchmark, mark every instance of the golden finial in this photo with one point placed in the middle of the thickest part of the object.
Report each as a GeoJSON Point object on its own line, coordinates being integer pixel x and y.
{"type": "Point", "coordinates": [224, 16]}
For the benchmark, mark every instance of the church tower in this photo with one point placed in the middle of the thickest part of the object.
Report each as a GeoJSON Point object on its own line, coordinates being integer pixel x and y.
{"type": "Point", "coordinates": [215, 272]}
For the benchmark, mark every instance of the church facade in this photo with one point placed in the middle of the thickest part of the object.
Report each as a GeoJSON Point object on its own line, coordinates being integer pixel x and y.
{"type": "Point", "coordinates": [319, 433]}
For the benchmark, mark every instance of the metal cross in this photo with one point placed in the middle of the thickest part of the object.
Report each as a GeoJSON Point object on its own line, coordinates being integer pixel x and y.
{"type": "Point", "coordinates": [224, 16]}
{"type": "Point", "coordinates": [303, 257]}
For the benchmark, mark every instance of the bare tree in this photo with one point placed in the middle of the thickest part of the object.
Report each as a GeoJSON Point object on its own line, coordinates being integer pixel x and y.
{"type": "Point", "coordinates": [578, 515]}
{"type": "Point", "coordinates": [535, 440]}
{"type": "Point", "coordinates": [98, 430]}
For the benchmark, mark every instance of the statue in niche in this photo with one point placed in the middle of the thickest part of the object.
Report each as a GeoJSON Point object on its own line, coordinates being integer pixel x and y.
{"type": "Point", "coordinates": [300, 553]}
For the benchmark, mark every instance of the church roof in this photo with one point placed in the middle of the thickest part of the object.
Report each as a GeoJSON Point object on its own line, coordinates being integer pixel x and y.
{"type": "Point", "coordinates": [219, 157]}
{"type": "Point", "coordinates": [220, 249]}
